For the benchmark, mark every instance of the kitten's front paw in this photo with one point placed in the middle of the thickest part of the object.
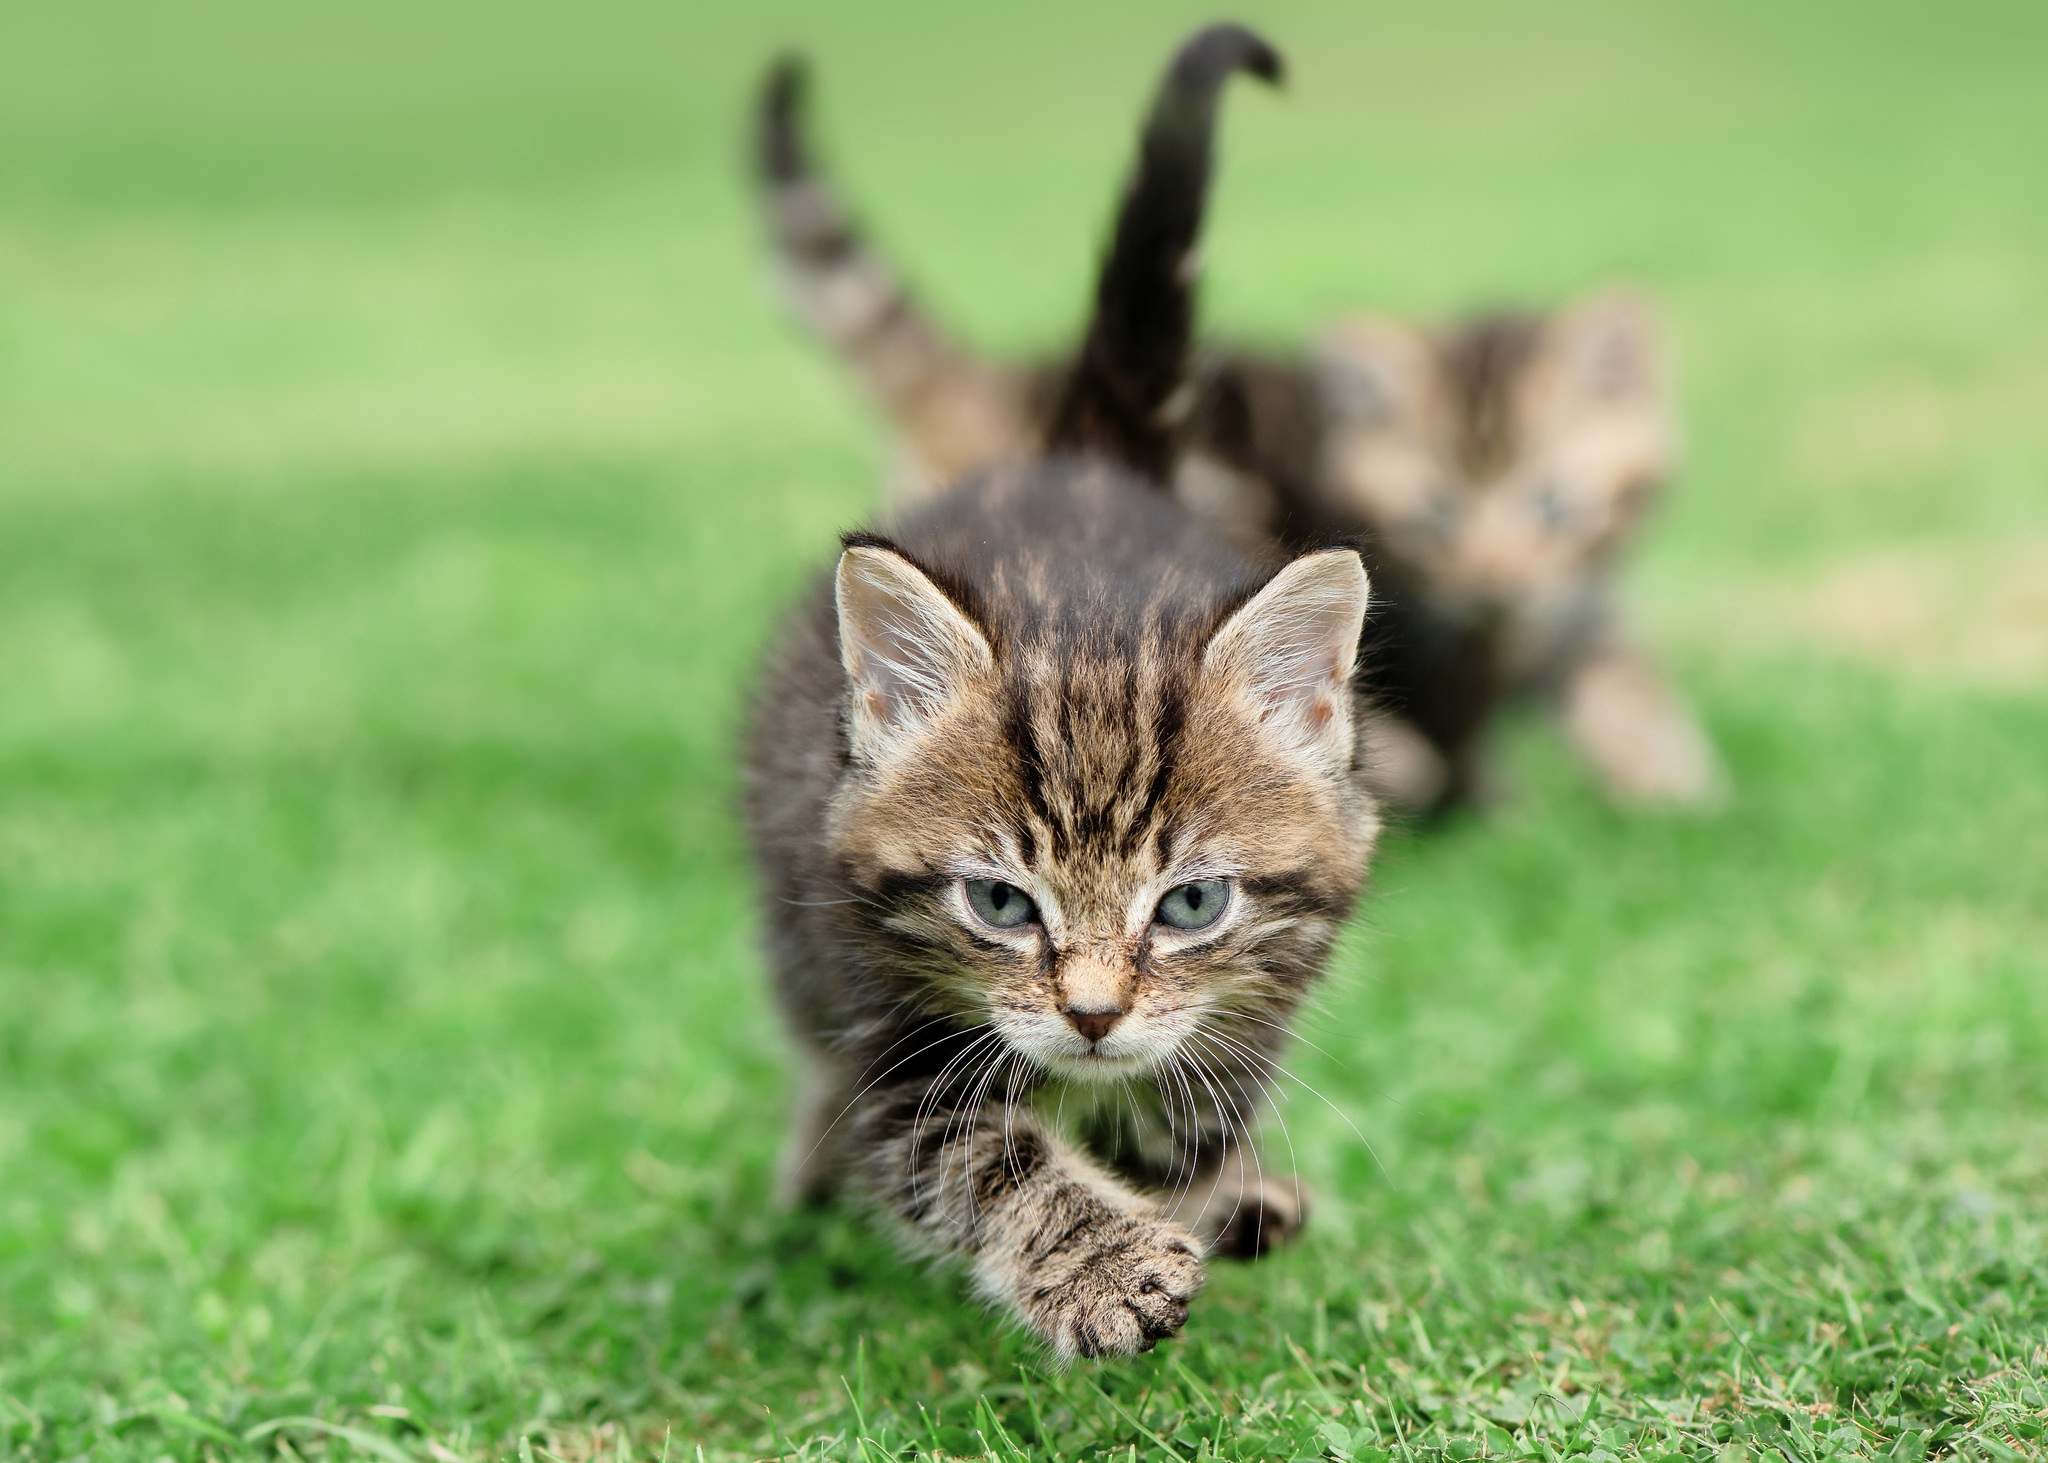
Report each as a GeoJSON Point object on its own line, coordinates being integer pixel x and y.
{"type": "Point", "coordinates": [1116, 1287]}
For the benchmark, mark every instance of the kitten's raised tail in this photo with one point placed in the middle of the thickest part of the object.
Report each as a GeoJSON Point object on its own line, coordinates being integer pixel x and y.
{"type": "Point", "coordinates": [816, 227]}
{"type": "Point", "coordinates": [955, 412]}
{"type": "Point", "coordinates": [840, 289]}
{"type": "Point", "coordinates": [1122, 393]}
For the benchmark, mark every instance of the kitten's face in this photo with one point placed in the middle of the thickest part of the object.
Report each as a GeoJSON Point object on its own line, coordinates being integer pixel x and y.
{"type": "Point", "coordinates": [1098, 854]}
{"type": "Point", "coordinates": [1502, 466]}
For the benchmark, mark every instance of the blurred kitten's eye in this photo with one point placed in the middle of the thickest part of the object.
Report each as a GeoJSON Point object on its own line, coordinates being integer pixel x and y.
{"type": "Point", "coordinates": [1195, 906]}
{"type": "Point", "coordinates": [1552, 508]}
{"type": "Point", "coordinates": [1438, 523]}
{"type": "Point", "coordinates": [1003, 905]}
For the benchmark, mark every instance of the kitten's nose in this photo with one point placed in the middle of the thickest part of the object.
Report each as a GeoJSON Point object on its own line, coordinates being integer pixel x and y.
{"type": "Point", "coordinates": [1093, 1024]}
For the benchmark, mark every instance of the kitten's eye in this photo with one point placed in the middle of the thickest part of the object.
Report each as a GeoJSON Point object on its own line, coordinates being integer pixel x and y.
{"type": "Point", "coordinates": [1195, 906]}
{"type": "Point", "coordinates": [1438, 523]}
{"type": "Point", "coordinates": [1552, 508]}
{"type": "Point", "coordinates": [1003, 905]}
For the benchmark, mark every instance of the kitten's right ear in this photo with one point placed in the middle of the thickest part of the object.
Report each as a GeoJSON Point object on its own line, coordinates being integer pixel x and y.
{"type": "Point", "coordinates": [1609, 350]}
{"type": "Point", "coordinates": [909, 652]}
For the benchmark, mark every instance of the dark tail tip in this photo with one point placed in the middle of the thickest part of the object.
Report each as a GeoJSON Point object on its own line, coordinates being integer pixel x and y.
{"type": "Point", "coordinates": [1208, 57]}
{"type": "Point", "coordinates": [779, 141]}
{"type": "Point", "coordinates": [1135, 356]}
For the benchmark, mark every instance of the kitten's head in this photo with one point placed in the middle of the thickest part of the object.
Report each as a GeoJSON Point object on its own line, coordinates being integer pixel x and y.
{"type": "Point", "coordinates": [1503, 461]}
{"type": "Point", "coordinates": [1100, 820]}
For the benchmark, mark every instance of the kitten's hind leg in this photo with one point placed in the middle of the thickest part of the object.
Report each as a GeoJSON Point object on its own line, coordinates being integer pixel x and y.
{"type": "Point", "coordinates": [1636, 734]}
{"type": "Point", "coordinates": [809, 1169]}
{"type": "Point", "coordinates": [1237, 1207]}
{"type": "Point", "coordinates": [1192, 1152]}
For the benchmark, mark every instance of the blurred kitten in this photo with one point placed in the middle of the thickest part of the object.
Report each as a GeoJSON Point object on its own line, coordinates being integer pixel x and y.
{"type": "Point", "coordinates": [1058, 808]}
{"type": "Point", "coordinates": [1492, 470]}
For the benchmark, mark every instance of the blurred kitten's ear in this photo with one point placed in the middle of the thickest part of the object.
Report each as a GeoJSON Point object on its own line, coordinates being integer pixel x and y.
{"type": "Point", "coordinates": [1375, 374]}
{"type": "Point", "coordinates": [1608, 349]}
{"type": "Point", "coordinates": [1289, 652]}
{"type": "Point", "coordinates": [1600, 392]}
{"type": "Point", "coordinates": [908, 650]}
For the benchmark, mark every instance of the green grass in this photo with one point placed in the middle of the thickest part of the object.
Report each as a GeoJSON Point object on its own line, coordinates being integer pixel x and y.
{"type": "Point", "coordinates": [401, 465]}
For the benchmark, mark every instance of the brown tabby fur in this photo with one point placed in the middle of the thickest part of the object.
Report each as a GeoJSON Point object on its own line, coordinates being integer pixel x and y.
{"type": "Point", "coordinates": [1055, 678]}
{"type": "Point", "coordinates": [1493, 471]}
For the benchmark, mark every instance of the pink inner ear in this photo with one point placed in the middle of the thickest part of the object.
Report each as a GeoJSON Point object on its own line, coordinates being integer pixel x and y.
{"type": "Point", "coordinates": [1293, 644]}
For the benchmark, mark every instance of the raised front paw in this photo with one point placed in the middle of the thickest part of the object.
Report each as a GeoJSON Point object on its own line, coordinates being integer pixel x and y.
{"type": "Point", "coordinates": [1112, 1285]}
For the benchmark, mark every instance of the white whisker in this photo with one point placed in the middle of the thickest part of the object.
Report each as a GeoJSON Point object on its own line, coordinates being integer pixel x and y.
{"type": "Point", "coordinates": [1272, 1101]}
{"type": "Point", "coordinates": [1344, 1116]}
{"type": "Point", "coordinates": [868, 1087]}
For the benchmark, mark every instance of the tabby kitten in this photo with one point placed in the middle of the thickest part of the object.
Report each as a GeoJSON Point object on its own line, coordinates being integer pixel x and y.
{"type": "Point", "coordinates": [1058, 808]}
{"type": "Point", "coordinates": [1493, 470]}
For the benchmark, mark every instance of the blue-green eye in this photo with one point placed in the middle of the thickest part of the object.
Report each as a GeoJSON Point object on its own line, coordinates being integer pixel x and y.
{"type": "Point", "coordinates": [1195, 906]}
{"type": "Point", "coordinates": [1003, 905]}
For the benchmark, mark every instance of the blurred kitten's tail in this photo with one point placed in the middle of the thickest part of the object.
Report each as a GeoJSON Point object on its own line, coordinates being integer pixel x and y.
{"type": "Point", "coordinates": [1126, 389]}
{"type": "Point", "coordinates": [955, 413]}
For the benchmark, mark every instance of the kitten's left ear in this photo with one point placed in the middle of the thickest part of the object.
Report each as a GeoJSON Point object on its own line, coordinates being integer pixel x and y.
{"type": "Point", "coordinates": [1289, 652]}
{"type": "Point", "coordinates": [1377, 375]}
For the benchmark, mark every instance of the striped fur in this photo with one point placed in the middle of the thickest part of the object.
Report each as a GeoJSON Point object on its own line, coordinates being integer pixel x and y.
{"type": "Point", "coordinates": [1103, 758]}
{"type": "Point", "coordinates": [1053, 680]}
{"type": "Point", "coordinates": [1120, 393]}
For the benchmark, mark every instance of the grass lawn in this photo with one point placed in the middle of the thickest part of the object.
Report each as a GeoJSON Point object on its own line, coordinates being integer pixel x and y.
{"type": "Point", "coordinates": [402, 462]}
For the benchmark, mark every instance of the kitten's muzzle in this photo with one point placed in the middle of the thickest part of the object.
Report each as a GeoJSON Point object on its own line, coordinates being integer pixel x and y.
{"type": "Point", "coordinates": [1093, 1024]}
{"type": "Point", "coordinates": [1095, 990]}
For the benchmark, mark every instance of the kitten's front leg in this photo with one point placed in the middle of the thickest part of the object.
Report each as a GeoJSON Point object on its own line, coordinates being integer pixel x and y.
{"type": "Point", "coordinates": [1092, 1267]}
{"type": "Point", "coordinates": [1635, 732]}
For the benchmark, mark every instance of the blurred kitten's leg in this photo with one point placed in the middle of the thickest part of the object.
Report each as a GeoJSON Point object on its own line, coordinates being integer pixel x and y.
{"type": "Point", "coordinates": [808, 1171]}
{"type": "Point", "coordinates": [1403, 768]}
{"type": "Point", "coordinates": [1636, 734]}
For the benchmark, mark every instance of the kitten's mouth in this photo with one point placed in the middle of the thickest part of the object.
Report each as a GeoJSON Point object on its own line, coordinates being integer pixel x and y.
{"type": "Point", "coordinates": [1097, 1066]}
{"type": "Point", "coordinates": [1114, 1057]}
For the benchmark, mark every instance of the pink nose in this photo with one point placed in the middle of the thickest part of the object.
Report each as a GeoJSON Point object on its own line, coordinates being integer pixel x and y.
{"type": "Point", "coordinates": [1094, 1024]}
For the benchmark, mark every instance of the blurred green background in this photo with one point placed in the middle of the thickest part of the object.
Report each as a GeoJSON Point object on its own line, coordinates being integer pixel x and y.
{"type": "Point", "coordinates": [402, 460]}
